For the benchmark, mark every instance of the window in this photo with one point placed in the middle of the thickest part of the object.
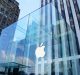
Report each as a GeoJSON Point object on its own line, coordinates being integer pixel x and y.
{"type": "Point", "coordinates": [4, 21]}
{"type": "Point", "coordinates": [6, 13]}
{"type": "Point", "coordinates": [2, 10]}
{"type": "Point", "coordinates": [1, 16]}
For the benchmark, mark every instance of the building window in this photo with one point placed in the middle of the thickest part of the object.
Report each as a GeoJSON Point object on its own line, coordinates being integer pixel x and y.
{"type": "Point", "coordinates": [1, 16]}
{"type": "Point", "coordinates": [2, 10]}
{"type": "Point", "coordinates": [3, 21]}
{"type": "Point", "coordinates": [6, 13]}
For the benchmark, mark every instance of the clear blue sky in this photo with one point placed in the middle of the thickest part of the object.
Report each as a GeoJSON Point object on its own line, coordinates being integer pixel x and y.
{"type": "Point", "coordinates": [27, 6]}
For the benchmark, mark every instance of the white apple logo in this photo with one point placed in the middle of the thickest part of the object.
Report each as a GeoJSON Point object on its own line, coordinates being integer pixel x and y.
{"type": "Point", "coordinates": [40, 51]}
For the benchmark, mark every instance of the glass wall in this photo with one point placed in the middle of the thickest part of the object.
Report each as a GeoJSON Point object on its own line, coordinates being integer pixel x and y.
{"type": "Point", "coordinates": [40, 40]}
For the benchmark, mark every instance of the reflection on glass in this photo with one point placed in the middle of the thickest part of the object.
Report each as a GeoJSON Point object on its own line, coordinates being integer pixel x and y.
{"type": "Point", "coordinates": [19, 42]}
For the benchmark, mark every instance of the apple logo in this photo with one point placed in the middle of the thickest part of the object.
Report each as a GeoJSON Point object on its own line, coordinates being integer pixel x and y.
{"type": "Point", "coordinates": [39, 52]}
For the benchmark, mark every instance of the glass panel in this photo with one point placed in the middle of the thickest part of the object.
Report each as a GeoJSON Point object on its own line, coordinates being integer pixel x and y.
{"type": "Point", "coordinates": [41, 42]}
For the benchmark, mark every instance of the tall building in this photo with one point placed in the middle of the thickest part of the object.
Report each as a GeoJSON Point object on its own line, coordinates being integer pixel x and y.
{"type": "Point", "coordinates": [65, 34]}
{"type": "Point", "coordinates": [9, 12]}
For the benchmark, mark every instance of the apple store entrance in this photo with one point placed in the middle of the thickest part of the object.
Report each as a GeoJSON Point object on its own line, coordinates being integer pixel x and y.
{"type": "Point", "coordinates": [42, 43]}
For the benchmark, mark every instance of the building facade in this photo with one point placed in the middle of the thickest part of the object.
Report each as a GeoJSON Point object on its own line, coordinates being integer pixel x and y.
{"type": "Point", "coordinates": [65, 34]}
{"type": "Point", "coordinates": [9, 13]}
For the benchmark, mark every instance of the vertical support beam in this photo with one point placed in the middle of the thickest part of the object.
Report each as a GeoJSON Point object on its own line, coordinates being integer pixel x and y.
{"type": "Point", "coordinates": [75, 21]}
{"type": "Point", "coordinates": [49, 37]}
{"type": "Point", "coordinates": [56, 39]}
{"type": "Point", "coordinates": [42, 66]}
{"type": "Point", "coordinates": [75, 64]}
{"type": "Point", "coordinates": [63, 38]}
{"type": "Point", "coordinates": [36, 67]}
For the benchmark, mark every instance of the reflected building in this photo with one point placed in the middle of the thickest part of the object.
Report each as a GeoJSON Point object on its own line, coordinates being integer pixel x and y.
{"type": "Point", "coordinates": [9, 13]}
{"type": "Point", "coordinates": [65, 34]}
{"type": "Point", "coordinates": [56, 25]}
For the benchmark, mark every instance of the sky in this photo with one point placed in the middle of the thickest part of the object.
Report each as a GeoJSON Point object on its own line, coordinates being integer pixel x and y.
{"type": "Point", "coordinates": [27, 6]}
